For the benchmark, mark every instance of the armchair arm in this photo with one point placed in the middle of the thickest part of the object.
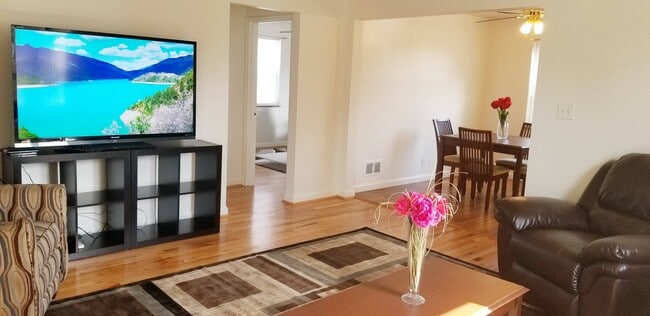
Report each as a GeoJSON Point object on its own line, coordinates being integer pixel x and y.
{"type": "Point", "coordinates": [616, 268]}
{"type": "Point", "coordinates": [521, 213]}
{"type": "Point", "coordinates": [38, 202]}
{"type": "Point", "coordinates": [17, 271]}
{"type": "Point", "coordinates": [626, 249]}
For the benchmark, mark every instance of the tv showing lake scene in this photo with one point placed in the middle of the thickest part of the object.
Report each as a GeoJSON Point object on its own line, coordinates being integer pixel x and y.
{"type": "Point", "coordinates": [86, 85]}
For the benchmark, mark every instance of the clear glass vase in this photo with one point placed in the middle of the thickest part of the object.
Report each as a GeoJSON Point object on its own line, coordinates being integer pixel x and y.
{"type": "Point", "coordinates": [503, 127]}
{"type": "Point", "coordinates": [417, 248]}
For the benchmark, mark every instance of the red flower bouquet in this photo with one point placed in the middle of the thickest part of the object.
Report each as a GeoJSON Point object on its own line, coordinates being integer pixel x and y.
{"type": "Point", "coordinates": [502, 105]}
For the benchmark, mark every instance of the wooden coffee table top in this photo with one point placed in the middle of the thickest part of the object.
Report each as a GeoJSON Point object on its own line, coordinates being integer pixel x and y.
{"type": "Point", "coordinates": [449, 289]}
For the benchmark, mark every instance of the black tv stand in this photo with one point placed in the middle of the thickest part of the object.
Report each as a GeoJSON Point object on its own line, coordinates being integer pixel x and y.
{"type": "Point", "coordinates": [107, 147]}
{"type": "Point", "coordinates": [178, 182]}
{"type": "Point", "coordinates": [74, 149]}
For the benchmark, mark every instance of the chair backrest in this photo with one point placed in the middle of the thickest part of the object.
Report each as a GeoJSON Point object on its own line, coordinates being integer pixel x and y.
{"type": "Point", "coordinates": [443, 127]}
{"type": "Point", "coordinates": [476, 156]}
{"type": "Point", "coordinates": [623, 201]}
{"type": "Point", "coordinates": [525, 129]}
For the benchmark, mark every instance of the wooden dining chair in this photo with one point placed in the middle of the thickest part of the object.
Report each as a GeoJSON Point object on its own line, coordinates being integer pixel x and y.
{"type": "Point", "coordinates": [449, 155]}
{"type": "Point", "coordinates": [511, 163]}
{"type": "Point", "coordinates": [477, 164]}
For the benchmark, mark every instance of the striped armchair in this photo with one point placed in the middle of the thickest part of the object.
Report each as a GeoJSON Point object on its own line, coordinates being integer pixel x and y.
{"type": "Point", "coordinates": [34, 254]}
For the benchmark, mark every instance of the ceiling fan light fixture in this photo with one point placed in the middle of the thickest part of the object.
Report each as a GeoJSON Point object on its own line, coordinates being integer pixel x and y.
{"type": "Point", "coordinates": [534, 24]}
{"type": "Point", "coordinates": [538, 27]}
{"type": "Point", "coordinates": [526, 28]}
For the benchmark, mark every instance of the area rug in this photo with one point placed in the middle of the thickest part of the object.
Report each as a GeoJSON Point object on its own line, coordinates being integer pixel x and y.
{"type": "Point", "coordinates": [273, 165]}
{"type": "Point", "coordinates": [261, 284]}
{"type": "Point", "coordinates": [275, 161]}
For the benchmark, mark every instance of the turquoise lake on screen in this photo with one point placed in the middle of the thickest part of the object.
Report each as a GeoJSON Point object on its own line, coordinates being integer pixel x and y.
{"type": "Point", "coordinates": [79, 108]}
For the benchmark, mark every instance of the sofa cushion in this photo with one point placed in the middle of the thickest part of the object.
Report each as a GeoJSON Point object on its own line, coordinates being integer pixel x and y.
{"type": "Point", "coordinates": [552, 254]}
{"type": "Point", "coordinates": [601, 219]}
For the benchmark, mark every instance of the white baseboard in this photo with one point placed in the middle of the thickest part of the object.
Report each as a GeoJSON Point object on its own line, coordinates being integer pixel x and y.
{"type": "Point", "coordinates": [234, 181]}
{"type": "Point", "coordinates": [391, 183]}
{"type": "Point", "coordinates": [306, 197]}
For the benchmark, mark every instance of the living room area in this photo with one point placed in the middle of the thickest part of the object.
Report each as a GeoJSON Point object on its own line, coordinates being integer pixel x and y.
{"type": "Point", "coordinates": [354, 101]}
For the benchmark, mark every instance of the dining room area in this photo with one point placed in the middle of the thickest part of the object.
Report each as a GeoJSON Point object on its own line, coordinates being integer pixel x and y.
{"type": "Point", "coordinates": [409, 73]}
{"type": "Point", "coordinates": [471, 155]}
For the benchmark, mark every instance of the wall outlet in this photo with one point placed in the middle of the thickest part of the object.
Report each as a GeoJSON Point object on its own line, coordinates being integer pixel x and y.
{"type": "Point", "coordinates": [566, 111]}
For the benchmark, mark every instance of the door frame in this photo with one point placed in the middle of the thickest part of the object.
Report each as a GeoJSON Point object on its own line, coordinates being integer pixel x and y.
{"type": "Point", "coordinates": [250, 104]}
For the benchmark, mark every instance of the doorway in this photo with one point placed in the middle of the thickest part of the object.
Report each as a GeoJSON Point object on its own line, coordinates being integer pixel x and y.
{"type": "Point", "coordinates": [272, 64]}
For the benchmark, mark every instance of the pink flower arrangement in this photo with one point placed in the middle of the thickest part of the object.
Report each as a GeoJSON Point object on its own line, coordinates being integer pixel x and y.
{"type": "Point", "coordinates": [423, 210]}
{"type": "Point", "coordinates": [502, 105]}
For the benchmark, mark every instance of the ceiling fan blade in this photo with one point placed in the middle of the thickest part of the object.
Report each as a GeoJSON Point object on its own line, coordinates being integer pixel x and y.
{"type": "Point", "coordinates": [497, 19]}
{"type": "Point", "coordinates": [508, 12]}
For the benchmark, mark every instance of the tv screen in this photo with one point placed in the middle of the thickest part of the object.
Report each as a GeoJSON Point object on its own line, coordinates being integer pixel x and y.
{"type": "Point", "coordinates": [80, 87]}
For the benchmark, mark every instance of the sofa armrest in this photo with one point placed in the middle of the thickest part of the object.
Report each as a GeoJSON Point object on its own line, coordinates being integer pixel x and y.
{"type": "Point", "coordinates": [616, 268]}
{"type": "Point", "coordinates": [521, 213]}
{"type": "Point", "coordinates": [17, 273]}
{"type": "Point", "coordinates": [38, 202]}
{"type": "Point", "coordinates": [626, 249]}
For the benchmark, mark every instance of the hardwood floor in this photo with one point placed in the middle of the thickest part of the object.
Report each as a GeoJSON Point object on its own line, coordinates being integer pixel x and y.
{"type": "Point", "coordinates": [259, 221]}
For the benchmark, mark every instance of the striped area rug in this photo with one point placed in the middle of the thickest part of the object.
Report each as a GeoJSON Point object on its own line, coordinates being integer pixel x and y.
{"type": "Point", "coordinates": [260, 284]}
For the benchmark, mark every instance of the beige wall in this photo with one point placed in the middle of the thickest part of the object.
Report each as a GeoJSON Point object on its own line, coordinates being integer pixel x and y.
{"type": "Point", "coordinates": [409, 71]}
{"type": "Point", "coordinates": [508, 68]}
{"type": "Point", "coordinates": [208, 23]}
{"type": "Point", "coordinates": [595, 57]}
{"type": "Point", "coordinates": [311, 156]}
{"type": "Point", "coordinates": [236, 93]}
{"type": "Point", "coordinates": [311, 136]}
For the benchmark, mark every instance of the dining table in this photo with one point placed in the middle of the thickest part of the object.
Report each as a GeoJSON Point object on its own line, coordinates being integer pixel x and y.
{"type": "Point", "coordinates": [516, 146]}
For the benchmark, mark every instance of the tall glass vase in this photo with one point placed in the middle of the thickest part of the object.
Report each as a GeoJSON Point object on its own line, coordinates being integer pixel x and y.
{"type": "Point", "coordinates": [417, 242]}
{"type": "Point", "coordinates": [503, 127]}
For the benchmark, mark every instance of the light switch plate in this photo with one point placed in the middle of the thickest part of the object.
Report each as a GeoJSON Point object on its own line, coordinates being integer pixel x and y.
{"type": "Point", "coordinates": [566, 111]}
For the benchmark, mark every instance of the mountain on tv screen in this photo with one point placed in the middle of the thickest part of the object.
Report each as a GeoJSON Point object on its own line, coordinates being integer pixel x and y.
{"type": "Point", "coordinates": [83, 85]}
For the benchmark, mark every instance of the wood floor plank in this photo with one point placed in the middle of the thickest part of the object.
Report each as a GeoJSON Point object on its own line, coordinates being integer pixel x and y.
{"type": "Point", "coordinates": [259, 220]}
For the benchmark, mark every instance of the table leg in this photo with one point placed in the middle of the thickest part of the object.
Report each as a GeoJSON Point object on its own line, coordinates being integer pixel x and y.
{"type": "Point", "coordinates": [438, 177]}
{"type": "Point", "coordinates": [439, 165]}
{"type": "Point", "coordinates": [516, 178]}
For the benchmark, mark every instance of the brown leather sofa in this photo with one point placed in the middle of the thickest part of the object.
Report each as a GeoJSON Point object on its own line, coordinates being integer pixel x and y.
{"type": "Point", "coordinates": [33, 247]}
{"type": "Point", "coordinates": [586, 258]}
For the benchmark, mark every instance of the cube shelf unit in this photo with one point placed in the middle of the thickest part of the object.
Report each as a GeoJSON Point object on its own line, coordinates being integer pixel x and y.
{"type": "Point", "coordinates": [107, 194]}
{"type": "Point", "coordinates": [200, 189]}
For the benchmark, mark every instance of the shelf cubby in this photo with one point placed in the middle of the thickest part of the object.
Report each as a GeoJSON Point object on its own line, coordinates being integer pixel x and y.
{"type": "Point", "coordinates": [104, 192]}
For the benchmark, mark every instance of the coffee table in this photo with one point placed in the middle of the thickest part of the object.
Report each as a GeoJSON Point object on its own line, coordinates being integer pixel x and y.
{"type": "Point", "coordinates": [449, 289]}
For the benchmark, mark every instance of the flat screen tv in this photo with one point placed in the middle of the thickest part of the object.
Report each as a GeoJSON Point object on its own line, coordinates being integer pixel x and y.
{"type": "Point", "coordinates": [80, 87]}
